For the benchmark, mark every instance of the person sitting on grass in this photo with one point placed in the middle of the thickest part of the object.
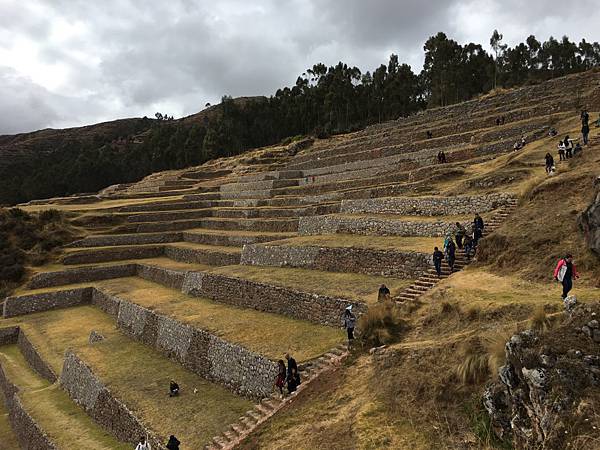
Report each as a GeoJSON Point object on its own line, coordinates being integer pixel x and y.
{"type": "Point", "coordinates": [173, 389]}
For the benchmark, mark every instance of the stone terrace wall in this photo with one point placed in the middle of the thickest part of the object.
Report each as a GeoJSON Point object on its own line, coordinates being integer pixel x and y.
{"type": "Point", "coordinates": [427, 206]}
{"type": "Point", "coordinates": [34, 359]}
{"type": "Point", "coordinates": [339, 259]}
{"type": "Point", "coordinates": [166, 277]}
{"type": "Point", "coordinates": [81, 275]}
{"type": "Point", "coordinates": [86, 389]}
{"type": "Point", "coordinates": [27, 304]}
{"type": "Point", "coordinates": [263, 297]}
{"type": "Point", "coordinates": [26, 429]}
{"type": "Point", "coordinates": [372, 226]}
{"type": "Point", "coordinates": [237, 368]}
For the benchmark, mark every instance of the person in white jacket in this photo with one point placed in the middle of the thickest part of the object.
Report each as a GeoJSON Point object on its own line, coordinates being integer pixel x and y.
{"type": "Point", "coordinates": [143, 444]}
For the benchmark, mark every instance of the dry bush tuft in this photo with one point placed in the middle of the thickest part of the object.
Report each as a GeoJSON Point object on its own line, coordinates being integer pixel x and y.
{"type": "Point", "coordinates": [540, 321]}
{"type": "Point", "coordinates": [381, 324]}
{"type": "Point", "coordinates": [481, 358]}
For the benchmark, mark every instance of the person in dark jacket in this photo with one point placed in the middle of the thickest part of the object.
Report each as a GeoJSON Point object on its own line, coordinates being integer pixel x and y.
{"type": "Point", "coordinates": [585, 131]}
{"type": "Point", "coordinates": [477, 234]}
{"type": "Point", "coordinates": [349, 320]}
{"type": "Point", "coordinates": [564, 272]}
{"type": "Point", "coordinates": [173, 443]}
{"type": "Point", "coordinates": [478, 222]}
{"type": "Point", "coordinates": [292, 366]}
{"type": "Point", "coordinates": [468, 245]}
{"type": "Point", "coordinates": [438, 256]}
{"type": "Point", "coordinates": [549, 163]}
{"type": "Point", "coordinates": [384, 294]}
{"type": "Point", "coordinates": [173, 389]}
{"type": "Point", "coordinates": [585, 117]}
{"type": "Point", "coordinates": [451, 254]}
{"type": "Point", "coordinates": [293, 381]}
{"type": "Point", "coordinates": [459, 234]}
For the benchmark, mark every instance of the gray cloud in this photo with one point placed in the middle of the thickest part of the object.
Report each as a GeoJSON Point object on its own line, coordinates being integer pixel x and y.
{"type": "Point", "coordinates": [71, 62]}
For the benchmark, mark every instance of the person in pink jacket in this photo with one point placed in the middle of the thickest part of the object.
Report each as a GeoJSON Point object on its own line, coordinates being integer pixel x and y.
{"type": "Point", "coordinates": [565, 272]}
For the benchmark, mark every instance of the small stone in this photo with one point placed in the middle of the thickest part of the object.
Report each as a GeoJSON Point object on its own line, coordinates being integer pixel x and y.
{"type": "Point", "coordinates": [596, 336]}
{"type": "Point", "coordinates": [570, 302]}
{"type": "Point", "coordinates": [593, 324]}
{"type": "Point", "coordinates": [537, 377]}
{"type": "Point", "coordinates": [95, 337]}
{"type": "Point", "coordinates": [587, 331]}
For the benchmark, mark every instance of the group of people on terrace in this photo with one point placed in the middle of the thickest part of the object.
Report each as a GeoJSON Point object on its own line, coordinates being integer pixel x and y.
{"type": "Point", "coordinates": [567, 147]}
{"type": "Point", "coordinates": [287, 376]}
{"type": "Point", "coordinates": [465, 241]}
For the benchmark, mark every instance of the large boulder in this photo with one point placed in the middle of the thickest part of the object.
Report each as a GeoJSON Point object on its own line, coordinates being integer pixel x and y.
{"type": "Point", "coordinates": [547, 393]}
{"type": "Point", "coordinates": [589, 221]}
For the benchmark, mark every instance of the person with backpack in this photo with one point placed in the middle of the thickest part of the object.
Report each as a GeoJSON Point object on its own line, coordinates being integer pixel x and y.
{"type": "Point", "coordinates": [438, 256]}
{"type": "Point", "coordinates": [478, 222]}
{"type": "Point", "coordinates": [451, 254]}
{"type": "Point", "coordinates": [468, 245]}
{"type": "Point", "coordinates": [459, 234]}
{"type": "Point", "coordinates": [383, 295]}
{"type": "Point", "coordinates": [549, 163]}
{"type": "Point", "coordinates": [564, 272]}
{"type": "Point", "coordinates": [349, 320]}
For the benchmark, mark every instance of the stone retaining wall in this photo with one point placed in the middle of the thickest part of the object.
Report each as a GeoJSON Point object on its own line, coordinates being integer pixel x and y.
{"type": "Point", "coordinates": [257, 185]}
{"type": "Point", "coordinates": [27, 304]}
{"type": "Point", "coordinates": [86, 389]}
{"type": "Point", "coordinates": [9, 335]}
{"type": "Point", "coordinates": [372, 226]}
{"type": "Point", "coordinates": [427, 206]}
{"type": "Point", "coordinates": [274, 299]}
{"type": "Point", "coordinates": [112, 254]}
{"type": "Point", "coordinates": [240, 370]}
{"type": "Point", "coordinates": [166, 277]}
{"type": "Point", "coordinates": [339, 259]}
{"type": "Point", "coordinates": [33, 358]}
{"type": "Point", "coordinates": [202, 256]}
{"type": "Point", "coordinates": [126, 239]}
{"type": "Point", "coordinates": [165, 216]}
{"type": "Point", "coordinates": [226, 239]}
{"type": "Point", "coordinates": [80, 275]}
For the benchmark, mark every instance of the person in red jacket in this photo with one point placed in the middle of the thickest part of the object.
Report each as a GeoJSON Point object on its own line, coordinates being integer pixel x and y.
{"type": "Point", "coordinates": [564, 272]}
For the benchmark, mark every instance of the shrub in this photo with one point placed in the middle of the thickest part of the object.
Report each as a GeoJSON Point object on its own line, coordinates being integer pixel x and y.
{"type": "Point", "coordinates": [480, 358]}
{"type": "Point", "coordinates": [539, 320]}
{"type": "Point", "coordinates": [381, 324]}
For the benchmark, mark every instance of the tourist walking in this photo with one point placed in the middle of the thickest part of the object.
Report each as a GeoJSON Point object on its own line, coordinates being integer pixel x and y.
{"type": "Point", "coordinates": [281, 377]}
{"type": "Point", "coordinates": [349, 320]}
{"type": "Point", "coordinates": [564, 272]}
{"type": "Point", "coordinates": [451, 254]}
{"type": "Point", "coordinates": [291, 365]}
{"type": "Point", "coordinates": [468, 245]}
{"type": "Point", "coordinates": [459, 234]}
{"type": "Point", "coordinates": [549, 163]}
{"type": "Point", "coordinates": [478, 222]}
{"type": "Point", "coordinates": [561, 151]}
{"type": "Point", "coordinates": [585, 131]}
{"type": "Point", "coordinates": [143, 444]}
{"type": "Point", "coordinates": [384, 294]}
{"type": "Point", "coordinates": [293, 380]}
{"type": "Point", "coordinates": [173, 443]}
{"type": "Point", "coordinates": [438, 256]}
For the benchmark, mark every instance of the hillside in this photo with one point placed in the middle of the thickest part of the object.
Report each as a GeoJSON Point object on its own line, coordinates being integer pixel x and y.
{"type": "Point", "coordinates": [208, 275]}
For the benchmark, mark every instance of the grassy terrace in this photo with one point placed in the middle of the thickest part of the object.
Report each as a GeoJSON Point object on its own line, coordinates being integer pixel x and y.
{"type": "Point", "coordinates": [414, 244]}
{"type": "Point", "coordinates": [350, 285]}
{"type": "Point", "coordinates": [458, 218]}
{"type": "Point", "coordinates": [136, 374]}
{"type": "Point", "coordinates": [66, 424]}
{"type": "Point", "coordinates": [268, 334]}
{"type": "Point", "coordinates": [104, 204]}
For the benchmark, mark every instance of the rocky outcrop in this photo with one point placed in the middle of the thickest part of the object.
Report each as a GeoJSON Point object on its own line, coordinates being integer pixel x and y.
{"type": "Point", "coordinates": [546, 390]}
{"type": "Point", "coordinates": [589, 221]}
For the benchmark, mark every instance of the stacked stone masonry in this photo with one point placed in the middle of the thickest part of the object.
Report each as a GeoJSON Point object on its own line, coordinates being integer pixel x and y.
{"type": "Point", "coordinates": [339, 259]}
{"type": "Point", "coordinates": [86, 389]}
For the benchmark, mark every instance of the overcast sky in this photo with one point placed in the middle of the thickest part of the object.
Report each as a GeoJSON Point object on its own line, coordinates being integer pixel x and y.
{"type": "Point", "coordinates": [74, 62]}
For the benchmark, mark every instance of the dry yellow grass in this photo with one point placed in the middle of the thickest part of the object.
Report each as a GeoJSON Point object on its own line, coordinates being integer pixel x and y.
{"type": "Point", "coordinates": [104, 204]}
{"type": "Point", "coordinates": [66, 424]}
{"type": "Point", "coordinates": [267, 334]}
{"type": "Point", "coordinates": [415, 244]}
{"type": "Point", "coordinates": [138, 375]}
{"type": "Point", "coordinates": [348, 285]}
